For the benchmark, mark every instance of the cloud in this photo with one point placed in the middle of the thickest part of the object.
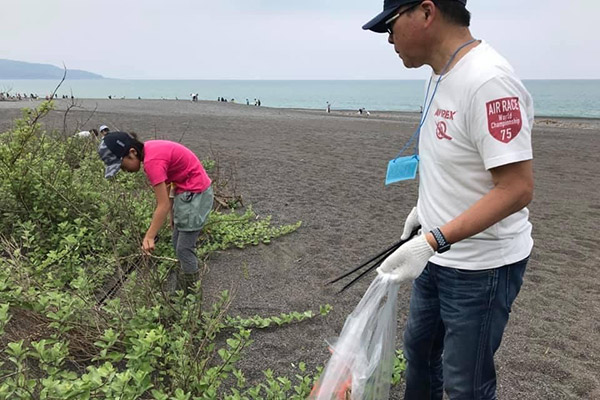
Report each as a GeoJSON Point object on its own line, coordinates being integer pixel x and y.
{"type": "Point", "coordinates": [274, 39]}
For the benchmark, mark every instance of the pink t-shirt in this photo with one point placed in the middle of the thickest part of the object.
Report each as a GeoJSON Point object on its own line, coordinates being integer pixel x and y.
{"type": "Point", "coordinates": [170, 162]}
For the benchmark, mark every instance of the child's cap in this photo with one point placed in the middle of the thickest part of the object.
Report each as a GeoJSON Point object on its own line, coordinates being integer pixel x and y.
{"type": "Point", "coordinates": [113, 147]}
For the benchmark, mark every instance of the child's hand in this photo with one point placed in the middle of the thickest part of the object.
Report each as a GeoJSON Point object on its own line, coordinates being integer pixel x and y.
{"type": "Point", "coordinates": [148, 245]}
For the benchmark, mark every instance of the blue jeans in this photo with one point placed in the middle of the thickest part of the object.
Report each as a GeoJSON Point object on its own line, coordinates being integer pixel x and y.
{"type": "Point", "coordinates": [455, 325]}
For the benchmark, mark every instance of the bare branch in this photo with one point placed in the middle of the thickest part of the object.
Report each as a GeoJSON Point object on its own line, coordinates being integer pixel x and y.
{"type": "Point", "coordinates": [61, 81]}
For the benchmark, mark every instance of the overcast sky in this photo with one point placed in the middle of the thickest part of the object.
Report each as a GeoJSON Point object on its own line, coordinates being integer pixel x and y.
{"type": "Point", "coordinates": [281, 39]}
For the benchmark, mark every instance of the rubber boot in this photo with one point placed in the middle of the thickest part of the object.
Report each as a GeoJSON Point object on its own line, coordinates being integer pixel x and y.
{"type": "Point", "coordinates": [172, 284]}
{"type": "Point", "coordinates": [188, 281]}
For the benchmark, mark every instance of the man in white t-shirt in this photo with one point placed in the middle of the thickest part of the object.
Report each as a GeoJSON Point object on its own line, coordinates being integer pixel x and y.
{"type": "Point", "coordinates": [475, 181]}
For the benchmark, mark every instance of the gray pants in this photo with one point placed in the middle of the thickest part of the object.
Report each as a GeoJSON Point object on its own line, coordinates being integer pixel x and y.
{"type": "Point", "coordinates": [185, 249]}
{"type": "Point", "coordinates": [190, 212]}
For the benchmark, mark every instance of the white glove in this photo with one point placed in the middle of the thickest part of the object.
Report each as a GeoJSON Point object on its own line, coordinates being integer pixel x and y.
{"type": "Point", "coordinates": [407, 263]}
{"type": "Point", "coordinates": [412, 221]}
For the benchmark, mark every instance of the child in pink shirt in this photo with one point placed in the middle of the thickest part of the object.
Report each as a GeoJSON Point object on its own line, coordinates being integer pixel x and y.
{"type": "Point", "coordinates": [181, 186]}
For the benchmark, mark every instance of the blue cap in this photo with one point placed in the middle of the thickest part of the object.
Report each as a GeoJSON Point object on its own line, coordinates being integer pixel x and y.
{"type": "Point", "coordinates": [377, 24]}
{"type": "Point", "coordinates": [113, 147]}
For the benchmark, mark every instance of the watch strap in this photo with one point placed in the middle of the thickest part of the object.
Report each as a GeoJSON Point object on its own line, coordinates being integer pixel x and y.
{"type": "Point", "coordinates": [439, 237]}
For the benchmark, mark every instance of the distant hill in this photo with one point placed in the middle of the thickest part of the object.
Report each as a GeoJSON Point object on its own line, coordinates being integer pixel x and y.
{"type": "Point", "coordinates": [10, 69]}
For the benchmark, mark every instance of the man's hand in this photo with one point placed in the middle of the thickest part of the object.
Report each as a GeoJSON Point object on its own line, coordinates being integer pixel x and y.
{"type": "Point", "coordinates": [407, 263]}
{"type": "Point", "coordinates": [148, 245]}
{"type": "Point", "coordinates": [412, 221]}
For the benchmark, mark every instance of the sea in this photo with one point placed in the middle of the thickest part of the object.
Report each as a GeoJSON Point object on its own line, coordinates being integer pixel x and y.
{"type": "Point", "coordinates": [552, 98]}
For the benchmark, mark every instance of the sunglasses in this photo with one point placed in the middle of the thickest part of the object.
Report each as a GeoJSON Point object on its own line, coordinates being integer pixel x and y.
{"type": "Point", "coordinates": [389, 22]}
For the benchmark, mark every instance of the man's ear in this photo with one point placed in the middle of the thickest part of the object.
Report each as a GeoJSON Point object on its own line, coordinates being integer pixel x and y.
{"type": "Point", "coordinates": [428, 8]}
{"type": "Point", "coordinates": [133, 152]}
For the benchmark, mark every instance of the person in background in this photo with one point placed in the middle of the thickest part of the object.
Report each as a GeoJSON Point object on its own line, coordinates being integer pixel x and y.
{"type": "Point", "coordinates": [103, 130]}
{"type": "Point", "coordinates": [91, 133]}
{"type": "Point", "coordinates": [166, 165]}
{"type": "Point", "coordinates": [475, 181]}
{"type": "Point", "coordinates": [82, 134]}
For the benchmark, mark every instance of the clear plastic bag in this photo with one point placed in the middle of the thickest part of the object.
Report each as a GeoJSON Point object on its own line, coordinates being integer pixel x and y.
{"type": "Point", "coordinates": [363, 356]}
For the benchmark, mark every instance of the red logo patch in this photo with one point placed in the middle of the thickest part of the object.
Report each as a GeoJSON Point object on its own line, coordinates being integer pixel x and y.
{"type": "Point", "coordinates": [504, 118]}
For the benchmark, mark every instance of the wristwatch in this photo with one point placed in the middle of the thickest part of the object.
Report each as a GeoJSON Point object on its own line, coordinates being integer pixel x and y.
{"type": "Point", "coordinates": [443, 244]}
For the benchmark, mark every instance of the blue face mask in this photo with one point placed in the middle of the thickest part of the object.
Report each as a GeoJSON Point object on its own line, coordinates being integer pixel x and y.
{"type": "Point", "coordinates": [406, 167]}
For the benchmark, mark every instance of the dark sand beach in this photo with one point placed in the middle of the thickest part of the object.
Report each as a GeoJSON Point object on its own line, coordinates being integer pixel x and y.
{"type": "Point", "coordinates": [327, 170]}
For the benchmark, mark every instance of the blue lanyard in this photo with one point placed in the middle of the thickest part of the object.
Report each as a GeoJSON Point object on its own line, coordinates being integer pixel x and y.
{"type": "Point", "coordinates": [426, 106]}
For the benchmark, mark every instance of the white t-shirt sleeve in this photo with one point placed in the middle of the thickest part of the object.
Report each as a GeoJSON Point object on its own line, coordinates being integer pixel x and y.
{"type": "Point", "coordinates": [500, 122]}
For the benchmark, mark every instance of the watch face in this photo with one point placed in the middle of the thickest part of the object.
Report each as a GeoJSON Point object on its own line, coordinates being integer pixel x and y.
{"type": "Point", "coordinates": [444, 248]}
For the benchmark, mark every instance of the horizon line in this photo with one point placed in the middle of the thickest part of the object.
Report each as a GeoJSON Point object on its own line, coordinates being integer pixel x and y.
{"type": "Point", "coordinates": [273, 80]}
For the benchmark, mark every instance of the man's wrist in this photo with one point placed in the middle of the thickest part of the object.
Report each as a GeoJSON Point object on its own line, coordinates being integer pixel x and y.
{"type": "Point", "coordinates": [431, 240]}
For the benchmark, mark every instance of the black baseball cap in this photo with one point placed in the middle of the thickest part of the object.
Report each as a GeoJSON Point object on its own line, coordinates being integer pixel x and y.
{"type": "Point", "coordinates": [377, 24]}
{"type": "Point", "coordinates": [113, 147]}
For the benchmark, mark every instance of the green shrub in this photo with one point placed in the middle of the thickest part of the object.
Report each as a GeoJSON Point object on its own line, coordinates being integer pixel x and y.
{"type": "Point", "coordinates": [67, 236]}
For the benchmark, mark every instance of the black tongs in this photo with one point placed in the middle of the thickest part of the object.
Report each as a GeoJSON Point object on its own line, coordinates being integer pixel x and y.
{"type": "Point", "coordinates": [376, 262]}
